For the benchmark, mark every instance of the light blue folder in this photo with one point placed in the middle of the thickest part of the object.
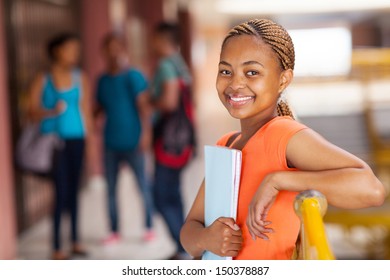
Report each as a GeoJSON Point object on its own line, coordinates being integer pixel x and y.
{"type": "Point", "coordinates": [222, 181]}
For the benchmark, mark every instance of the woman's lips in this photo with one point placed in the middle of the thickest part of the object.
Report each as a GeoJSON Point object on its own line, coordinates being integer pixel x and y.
{"type": "Point", "coordinates": [237, 101]}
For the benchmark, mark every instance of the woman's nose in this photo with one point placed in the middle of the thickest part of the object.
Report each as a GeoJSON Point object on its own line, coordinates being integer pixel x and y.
{"type": "Point", "coordinates": [237, 82]}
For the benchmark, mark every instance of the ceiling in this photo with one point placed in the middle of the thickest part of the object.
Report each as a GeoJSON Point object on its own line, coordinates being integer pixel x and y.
{"type": "Point", "coordinates": [291, 13]}
{"type": "Point", "coordinates": [284, 7]}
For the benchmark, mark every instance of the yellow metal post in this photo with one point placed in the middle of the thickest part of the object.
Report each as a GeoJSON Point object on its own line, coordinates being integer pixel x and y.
{"type": "Point", "coordinates": [310, 207]}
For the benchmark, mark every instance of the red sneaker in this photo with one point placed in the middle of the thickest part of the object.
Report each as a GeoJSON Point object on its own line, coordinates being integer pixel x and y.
{"type": "Point", "coordinates": [113, 238]}
{"type": "Point", "coordinates": [149, 235]}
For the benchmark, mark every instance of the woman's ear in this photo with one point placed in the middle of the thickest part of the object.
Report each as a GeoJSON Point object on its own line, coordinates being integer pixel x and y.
{"type": "Point", "coordinates": [285, 79]}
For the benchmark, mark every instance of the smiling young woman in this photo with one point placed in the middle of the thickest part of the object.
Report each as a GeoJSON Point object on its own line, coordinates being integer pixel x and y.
{"type": "Point", "coordinates": [280, 156]}
{"type": "Point", "coordinates": [250, 80]}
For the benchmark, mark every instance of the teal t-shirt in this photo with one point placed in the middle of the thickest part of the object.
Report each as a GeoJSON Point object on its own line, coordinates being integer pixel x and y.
{"type": "Point", "coordinates": [117, 94]}
{"type": "Point", "coordinates": [169, 68]}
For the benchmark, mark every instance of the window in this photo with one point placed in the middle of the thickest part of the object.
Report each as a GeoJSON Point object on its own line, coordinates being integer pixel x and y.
{"type": "Point", "coordinates": [322, 52]}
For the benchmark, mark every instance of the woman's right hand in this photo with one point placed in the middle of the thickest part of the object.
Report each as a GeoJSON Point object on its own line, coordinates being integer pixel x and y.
{"type": "Point", "coordinates": [60, 107]}
{"type": "Point", "coordinates": [224, 237]}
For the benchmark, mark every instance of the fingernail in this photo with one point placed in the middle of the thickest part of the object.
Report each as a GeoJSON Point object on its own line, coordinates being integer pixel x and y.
{"type": "Point", "coordinates": [236, 227]}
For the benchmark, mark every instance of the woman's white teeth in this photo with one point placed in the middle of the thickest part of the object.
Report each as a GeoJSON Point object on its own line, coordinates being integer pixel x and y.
{"type": "Point", "coordinates": [240, 99]}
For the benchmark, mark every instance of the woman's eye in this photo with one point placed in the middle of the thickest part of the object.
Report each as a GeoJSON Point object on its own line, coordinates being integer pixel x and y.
{"type": "Point", "coordinates": [224, 72]}
{"type": "Point", "coordinates": [252, 73]}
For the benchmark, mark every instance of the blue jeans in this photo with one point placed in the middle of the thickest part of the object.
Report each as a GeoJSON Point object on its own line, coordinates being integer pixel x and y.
{"type": "Point", "coordinates": [136, 161]}
{"type": "Point", "coordinates": [66, 174]}
{"type": "Point", "coordinates": [168, 201]}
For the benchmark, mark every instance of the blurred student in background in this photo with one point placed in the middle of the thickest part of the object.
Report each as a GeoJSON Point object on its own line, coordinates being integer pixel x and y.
{"type": "Point", "coordinates": [171, 77]}
{"type": "Point", "coordinates": [122, 97]}
{"type": "Point", "coordinates": [60, 100]}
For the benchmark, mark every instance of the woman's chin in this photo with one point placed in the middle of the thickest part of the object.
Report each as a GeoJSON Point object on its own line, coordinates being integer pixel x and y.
{"type": "Point", "coordinates": [237, 115]}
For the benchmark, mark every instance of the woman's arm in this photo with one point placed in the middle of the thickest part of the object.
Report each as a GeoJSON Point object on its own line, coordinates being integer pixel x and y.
{"type": "Point", "coordinates": [345, 180]}
{"type": "Point", "coordinates": [223, 237]}
{"type": "Point", "coordinates": [35, 111]}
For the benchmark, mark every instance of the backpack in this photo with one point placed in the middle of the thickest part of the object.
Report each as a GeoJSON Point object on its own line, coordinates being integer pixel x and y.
{"type": "Point", "coordinates": [174, 134]}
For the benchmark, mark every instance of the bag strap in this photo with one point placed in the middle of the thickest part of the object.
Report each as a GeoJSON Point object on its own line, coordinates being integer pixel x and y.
{"type": "Point", "coordinates": [232, 138]}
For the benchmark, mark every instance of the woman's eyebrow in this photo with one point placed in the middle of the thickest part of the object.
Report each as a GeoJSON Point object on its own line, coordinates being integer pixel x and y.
{"type": "Point", "coordinates": [224, 63]}
{"type": "Point", "coordinates": [252, 62]}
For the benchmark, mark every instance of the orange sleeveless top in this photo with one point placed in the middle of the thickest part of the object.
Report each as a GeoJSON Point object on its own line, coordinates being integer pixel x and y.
{"type": "Point", "coordinates": [265, 153]}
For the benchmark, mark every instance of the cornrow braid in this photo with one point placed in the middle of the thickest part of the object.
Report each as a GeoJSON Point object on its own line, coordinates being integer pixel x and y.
{"type": "Point", "coordinates": [284, 110]}
{"type": "Point", "coordinates": [272, 34]}
{"type": "Point", "coordinates": [278, 39]}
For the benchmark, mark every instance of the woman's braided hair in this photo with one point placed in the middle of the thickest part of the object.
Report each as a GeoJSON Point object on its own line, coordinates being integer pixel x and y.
{"type": "Point", "coordinates": [278, 39]}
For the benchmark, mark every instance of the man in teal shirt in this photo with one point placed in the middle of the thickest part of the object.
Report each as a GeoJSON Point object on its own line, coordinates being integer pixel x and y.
{"type": "Point", "coordinates": [122, 96]}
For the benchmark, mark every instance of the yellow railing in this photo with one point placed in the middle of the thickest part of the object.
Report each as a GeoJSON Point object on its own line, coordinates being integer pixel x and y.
{"type": "Point", "coordinates": [310, 207]}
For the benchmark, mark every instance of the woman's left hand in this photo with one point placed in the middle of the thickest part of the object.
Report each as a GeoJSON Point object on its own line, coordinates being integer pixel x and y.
{"type": "Point", "coordinates": [258, 209]}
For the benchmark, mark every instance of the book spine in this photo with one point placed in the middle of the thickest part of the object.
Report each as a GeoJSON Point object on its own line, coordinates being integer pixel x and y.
{"type": "Point", "coordinates": [236, 180]}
